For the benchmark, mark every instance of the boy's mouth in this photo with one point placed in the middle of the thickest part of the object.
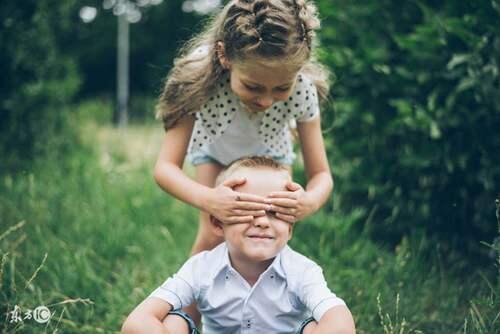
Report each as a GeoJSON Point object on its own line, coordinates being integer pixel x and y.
{"type": "Point", "coordinates": [260, 237]}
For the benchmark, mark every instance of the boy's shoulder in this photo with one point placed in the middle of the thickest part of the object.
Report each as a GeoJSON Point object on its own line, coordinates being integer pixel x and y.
{"type": "Point", "coordinates": [295, 264]}
{"type": "Point", "coordinates": [208, 263]}
{"type": "Point", "coordinates": [212, 254]}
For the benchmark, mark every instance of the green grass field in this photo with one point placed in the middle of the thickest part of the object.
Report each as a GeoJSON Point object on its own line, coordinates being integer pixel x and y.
{"type": "Point", "coordinates": [91, 234]}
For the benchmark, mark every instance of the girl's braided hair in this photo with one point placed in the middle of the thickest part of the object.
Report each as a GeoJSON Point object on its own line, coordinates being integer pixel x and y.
{"type": "Point", "coordinates": [281, 30]}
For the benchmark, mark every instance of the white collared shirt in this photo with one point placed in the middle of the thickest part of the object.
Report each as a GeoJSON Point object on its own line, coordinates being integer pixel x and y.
{"type": "Point", "coordinates": [292, 289]}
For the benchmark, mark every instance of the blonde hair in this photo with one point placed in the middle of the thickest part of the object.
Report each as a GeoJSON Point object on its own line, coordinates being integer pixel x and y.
{"type": "Point", "coordinates": [249, 162]}
{"type": "Point", "coordinates": [273, 29]}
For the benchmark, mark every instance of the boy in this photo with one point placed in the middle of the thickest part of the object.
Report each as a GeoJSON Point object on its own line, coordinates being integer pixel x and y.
{"type": "Point", "coordinates": [251, 283]}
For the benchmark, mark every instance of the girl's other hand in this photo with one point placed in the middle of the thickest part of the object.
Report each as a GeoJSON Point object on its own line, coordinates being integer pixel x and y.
{"type": "Point", "coordinates": [231, 207]}
{"type": "Point", "coordinates": [292, 205]}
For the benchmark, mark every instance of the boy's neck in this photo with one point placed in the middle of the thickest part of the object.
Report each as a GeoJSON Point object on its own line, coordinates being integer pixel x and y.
{"type": "Point", "coordinates": [250, 270]}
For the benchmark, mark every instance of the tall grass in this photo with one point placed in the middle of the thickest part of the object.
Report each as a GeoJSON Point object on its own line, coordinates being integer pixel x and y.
{"type": "Point", "coordinates": [89, 235]}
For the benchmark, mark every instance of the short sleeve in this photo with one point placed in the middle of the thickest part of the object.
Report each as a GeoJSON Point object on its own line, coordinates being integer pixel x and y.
{"type": "Point", "coordinates": [315, 294]}
{"type": "Point", "coordinates": [180, 289]}
{"type": "Point", "coordinates": [304, 100]}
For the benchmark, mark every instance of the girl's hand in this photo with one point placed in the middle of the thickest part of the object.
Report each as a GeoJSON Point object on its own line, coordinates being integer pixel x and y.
{"type": "Point", "coordinates": [293, 205]}
{"type": "Point", "coordinates": [231, 207]}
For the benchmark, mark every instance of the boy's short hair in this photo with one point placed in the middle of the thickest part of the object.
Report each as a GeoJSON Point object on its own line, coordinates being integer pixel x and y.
{"type": "Point", "coordinates": [253, 161]}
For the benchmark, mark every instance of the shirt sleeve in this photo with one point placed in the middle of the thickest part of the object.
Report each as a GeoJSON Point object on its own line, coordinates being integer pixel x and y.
{"type": "Point", "coordinates": [315, 294]}
{"type": "Point", "coordinates": [180, 289]}
{"type": "Point", "coordinates": [305, 100]}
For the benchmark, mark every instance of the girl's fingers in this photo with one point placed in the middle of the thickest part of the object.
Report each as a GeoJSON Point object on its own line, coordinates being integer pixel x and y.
{"type": "Point", "coordinates": [239, 219]}
{"type": "Point", "coordinates": [252, 206]}
{"type": "Point", "coordinates": [231, 183]}
{"type": "Point", "coordinates": [287, 218]}
{"type": "Point", "coordinates": [282, 194]}
{"type": "Point", "coordinates": [292, 186]}
{"type": "Point", "coordinates": [283, 202]}
{"type": "Point", "coordinates": [254, 213]}
{"type": "Point", "coordinates": [244, 197]}
{"type": "Point", "coordinates": [283, 210]}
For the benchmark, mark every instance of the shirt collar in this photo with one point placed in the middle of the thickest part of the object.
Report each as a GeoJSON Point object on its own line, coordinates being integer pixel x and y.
{"type": "Point", "coordinates": [277, 264]}
{"type": "Point", "coordinates": [225, 263]}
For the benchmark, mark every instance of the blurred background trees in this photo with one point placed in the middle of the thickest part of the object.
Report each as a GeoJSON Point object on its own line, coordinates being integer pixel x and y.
{"type": "Point", "coordinates": [415, 133]}
{"type": "Point", "coordinates": [412, 131]}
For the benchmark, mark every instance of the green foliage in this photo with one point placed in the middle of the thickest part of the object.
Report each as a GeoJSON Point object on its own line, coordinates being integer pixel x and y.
{"type": "Point", "coordinates": [37, 81]}
{"type": "Point", "coordinates": [414, 141]}
{"type": "Point", "coordinates": [484, 310]}
{"type": "Point", "coordinates": [92, 235]}
{"type": "Point", "coordinates": [88, 238]}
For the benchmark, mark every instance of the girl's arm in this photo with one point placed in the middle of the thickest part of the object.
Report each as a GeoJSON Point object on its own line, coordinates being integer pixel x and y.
{"type": "Point", "coordinates": [222, 202]}
{"type": "Point", "coordinates": [168, 171]}
{"type": "Point", "coordinates": [147, 318]}
{"type": "Point", "coordinates": [298, 203]}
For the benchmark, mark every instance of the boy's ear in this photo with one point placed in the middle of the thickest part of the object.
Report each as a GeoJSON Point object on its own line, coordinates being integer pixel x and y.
{"type": "Point", "coordinates": [217, 226]}
{"type": "Point", "coordinates": [219, 49]}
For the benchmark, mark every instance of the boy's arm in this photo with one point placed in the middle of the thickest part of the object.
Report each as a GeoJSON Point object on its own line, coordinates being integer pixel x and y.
{"type": "Point", "coordinates": [337, 320]}
{"type": "Point", "coordinates": [330, 312]}
{"type": "Point", "coordinates": [147, 318]}
{"type": "Point", "coordinates": [176, 292]}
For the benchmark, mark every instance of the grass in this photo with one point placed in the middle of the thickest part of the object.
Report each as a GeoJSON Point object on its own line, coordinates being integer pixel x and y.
{"type": "Point", "coordinates": [90, 235]}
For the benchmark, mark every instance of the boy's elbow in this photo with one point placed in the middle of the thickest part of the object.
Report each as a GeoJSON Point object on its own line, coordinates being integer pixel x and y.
{"type": "Point", "coordinates": [131, 325]}
{"type": "Point", "coordinates": [347, 330]}
{"type": "Point", "coordinates": [127, 327]}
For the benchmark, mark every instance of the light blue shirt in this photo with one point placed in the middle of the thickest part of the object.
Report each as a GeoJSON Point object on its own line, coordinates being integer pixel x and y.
{"type": "Point", "coordinates": [291, 289]}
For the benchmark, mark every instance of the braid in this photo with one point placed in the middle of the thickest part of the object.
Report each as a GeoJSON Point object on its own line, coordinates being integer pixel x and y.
{"type": "Point", "coordinates": [262, 27]}
{"type": "Point", "coordinates": [307, 20]}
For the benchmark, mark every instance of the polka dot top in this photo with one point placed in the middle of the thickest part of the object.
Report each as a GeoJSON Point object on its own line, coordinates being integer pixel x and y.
{"type": "Point", "coordinates": [216, 120]}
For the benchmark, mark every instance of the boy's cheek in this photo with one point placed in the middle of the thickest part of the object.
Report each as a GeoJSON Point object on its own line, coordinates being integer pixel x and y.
{"type": "Point", "coordinates": [290, 231]}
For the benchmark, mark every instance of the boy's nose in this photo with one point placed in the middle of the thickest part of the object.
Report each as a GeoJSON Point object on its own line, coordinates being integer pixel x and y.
{"type": "Point", "coordinates": [261, 221]}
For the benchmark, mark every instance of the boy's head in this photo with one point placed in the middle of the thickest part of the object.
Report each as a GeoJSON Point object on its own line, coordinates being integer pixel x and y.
{"type": "Point", "coordinates": [264, 237]}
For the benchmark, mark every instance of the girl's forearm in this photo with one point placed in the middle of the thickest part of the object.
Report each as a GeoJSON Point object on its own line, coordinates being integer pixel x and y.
{"type": "Point", "coordinates": [319, 187]}
{"type": "Point", "coordinates": [173, 180]}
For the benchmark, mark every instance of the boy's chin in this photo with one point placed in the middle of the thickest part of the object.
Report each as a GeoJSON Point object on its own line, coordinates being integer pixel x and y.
{"type": "Point", "coordinates": [261, 256]}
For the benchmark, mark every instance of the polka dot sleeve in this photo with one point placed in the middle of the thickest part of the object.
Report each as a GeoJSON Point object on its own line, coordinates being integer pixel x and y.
{"type": "Point", "coordinates": [305, 100]}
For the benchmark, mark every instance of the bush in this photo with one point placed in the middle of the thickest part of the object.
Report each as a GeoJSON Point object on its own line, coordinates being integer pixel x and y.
{"type": "Point", "coordinates": [37, 79]}
{"type": "Point", "coordinates": [414, 140]}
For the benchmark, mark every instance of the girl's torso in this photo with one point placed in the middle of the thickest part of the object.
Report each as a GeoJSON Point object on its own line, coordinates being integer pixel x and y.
{"type": "Point", "coordinates": [224, 131]}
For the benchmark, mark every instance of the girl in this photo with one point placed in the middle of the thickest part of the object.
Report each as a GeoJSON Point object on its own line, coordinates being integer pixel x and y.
{"type": "Point", "coordinates": [234, 92]}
